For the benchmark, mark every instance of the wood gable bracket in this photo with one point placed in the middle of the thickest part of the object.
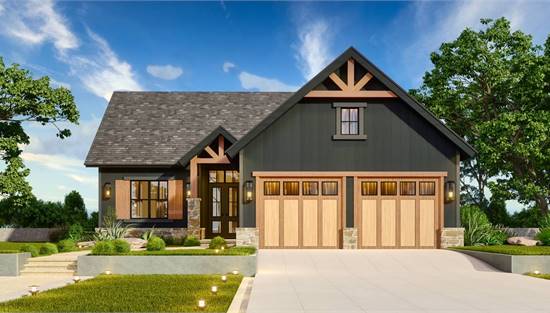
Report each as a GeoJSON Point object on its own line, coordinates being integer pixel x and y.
{"type": "Point", "coordinates": [215, 158]}
{"type": "Point", "coordinates": [350, 89]}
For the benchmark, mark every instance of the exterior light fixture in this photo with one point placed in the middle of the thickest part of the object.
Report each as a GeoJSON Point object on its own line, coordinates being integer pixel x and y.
{"type": "Point", "coordinates": [188, 190]}
{"type": "Point", "coordinates": [107, 272]}
{"type": "Point", "coordinates": [536, 272]}
{"type": "Point", "coordinates": [224, 278]}
{"type": "Point", "coordinates": [76, 279]}
{"type": "Point", "coordinates": [217, 250]}
{"type": "Point", "coordinates": [450, 191]}
{"type": "Point", "coordinates": [214, 289]}
{"type": "Point", "coordinates": [235, 272]}
{"type": "Point", "coordinates": [33, 290]}
{"type": "Point", "coordinates": [201, 304]}
{"type": "Point", "coordinates": [248, 191]}
{"type": "Point", "coordinates": [107, 191]}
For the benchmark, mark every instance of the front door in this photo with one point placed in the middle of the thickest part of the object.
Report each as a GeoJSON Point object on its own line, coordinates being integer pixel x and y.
{"type": "Point", "coordinates": [223, 209]}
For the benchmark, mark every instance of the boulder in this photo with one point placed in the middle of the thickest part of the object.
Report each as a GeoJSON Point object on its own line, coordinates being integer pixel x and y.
{"type": "Point", "coordinates": [522, 241]}
{"type": "Point", "coordinates": [136, 243]}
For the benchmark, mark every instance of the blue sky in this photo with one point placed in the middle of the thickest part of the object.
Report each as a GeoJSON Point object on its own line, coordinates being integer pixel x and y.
{"type": "Point", "coordinates": [93, 48]}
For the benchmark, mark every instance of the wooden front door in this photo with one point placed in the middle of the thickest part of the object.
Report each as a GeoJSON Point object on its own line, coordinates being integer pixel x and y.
{"type": "Point", "coordinates": [223, 208]}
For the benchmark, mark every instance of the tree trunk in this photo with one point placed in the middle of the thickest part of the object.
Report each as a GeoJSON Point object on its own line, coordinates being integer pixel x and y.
{"type": "Point", "coordinates": [542, 204]}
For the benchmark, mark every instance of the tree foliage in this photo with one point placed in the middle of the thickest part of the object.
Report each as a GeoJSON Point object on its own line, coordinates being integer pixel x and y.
{"type": "Point", "coordinates": [493, 88]}
{"type": "Point", "coordinates": [25, 99]}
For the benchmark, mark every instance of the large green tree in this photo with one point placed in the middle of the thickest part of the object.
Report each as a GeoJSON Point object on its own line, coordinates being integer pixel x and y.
{"type": "Point", "coordinates": [492, 87]}
{"type": "Point", "coordinates": [24, 99]}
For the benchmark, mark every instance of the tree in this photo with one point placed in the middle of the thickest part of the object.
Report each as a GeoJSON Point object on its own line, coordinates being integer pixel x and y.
{"type": "Point", "coordinates": [24, 99]}
{"type": "Point", "coordinates": [493, 88]}
{"type": "Point", "coordinates": [74, 209]}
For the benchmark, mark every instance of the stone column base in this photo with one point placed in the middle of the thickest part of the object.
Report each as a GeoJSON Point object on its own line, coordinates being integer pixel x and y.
{"type": "Point", "coordinates": [248, 236]}
{"type": "Point", "coordinates": [349, 238]}
{"type": "Point", "coordinates": [194, 217]}
{"type": "Point", "coordinates": [452, 237]}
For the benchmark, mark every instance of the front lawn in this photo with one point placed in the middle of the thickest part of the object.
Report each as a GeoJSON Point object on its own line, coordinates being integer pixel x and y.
{"type": "Point", "coordinates": [133, 293]}
{"type": "Point", "coordinates": [509, 249]}
{"type": "Point", "coordinates": [229, 251]}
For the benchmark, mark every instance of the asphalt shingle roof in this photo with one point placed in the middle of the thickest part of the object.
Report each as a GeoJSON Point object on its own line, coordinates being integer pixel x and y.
{"type": "Point", "coordinates": [158, 128]}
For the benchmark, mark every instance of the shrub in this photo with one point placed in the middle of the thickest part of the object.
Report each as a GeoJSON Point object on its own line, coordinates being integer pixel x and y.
{"type": "Point", "coordinates": [103, 247]}
{"type": "Point", "coordinates": [173, 241]}
{"type": "Point", "coordinates": [66, 245]}
{"type": "Point", "coordinates": [31, 249]}
{"type": "Point", "coordinates": [544, 222]}
{"type": "Point", "coordinates": [75, 232]}
{"type": "Point", "coordinates": [477, 228]}
{"type": "Point", "coordinates": [217, 243]}
{"type": "Point", "coordinates": [155, 244]}
{"type": "Point", "coordinates": [48, 248]}
{"type": "Point", "coordinates": [148, 234]}
{"type": "Point", "coordinates": [111, 230]}
{"type": "Point", "coordinates": [121, 246]}
{"type": "Point", "coordinates": [544, 236]}
{"type": "Point", "coordinates": [191, 241]}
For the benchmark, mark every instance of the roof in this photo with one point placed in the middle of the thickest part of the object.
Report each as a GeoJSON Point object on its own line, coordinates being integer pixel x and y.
{"type": "Point", "coordinates": [159, 128]}
{"type": "Point", "coordinates": [466, 149]}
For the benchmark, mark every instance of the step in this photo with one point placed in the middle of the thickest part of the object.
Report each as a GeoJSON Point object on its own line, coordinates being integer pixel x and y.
{"type": "Point", "coordinates": [56, 274]}
{"type": "Point", "coordinates": [50, 264]}
{"type": "Point", "coordinates": [47, 269]}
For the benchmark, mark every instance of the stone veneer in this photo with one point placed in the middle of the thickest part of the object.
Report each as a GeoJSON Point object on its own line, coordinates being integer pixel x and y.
{"type": "Point", "coordinates": [452, 237]}
{"type": "Point", "coordinates": [349, 238]}
{"type": "Point", "coordinates": [175, 232]}
{"type": "Point", "coordinates": [194, 217]}
{"type": "Point", "coordinates": [248, 236]}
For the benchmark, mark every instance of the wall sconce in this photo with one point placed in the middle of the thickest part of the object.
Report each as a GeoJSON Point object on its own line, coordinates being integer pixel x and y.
{"type": "Point", "coordinates": [188, 190]}
{"type": "Point", "coordinates": [107, 191]}
{"type": "Point", "coordinates": [248, 191]}
{"type": "Point", "coordinates": [450, 191]}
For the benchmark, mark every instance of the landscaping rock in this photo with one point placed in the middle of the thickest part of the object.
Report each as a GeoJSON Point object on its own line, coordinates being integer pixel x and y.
{"type": "Point", "coordinates": [136, 243]}
{"type": "Point", "coordinates": [522, 241]}
{"type": "Point", "coordinates": [85, 244]}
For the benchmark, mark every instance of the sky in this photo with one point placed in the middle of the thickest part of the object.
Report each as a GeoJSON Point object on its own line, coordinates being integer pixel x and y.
{"type": "Point", "coordinates": [93, 48]}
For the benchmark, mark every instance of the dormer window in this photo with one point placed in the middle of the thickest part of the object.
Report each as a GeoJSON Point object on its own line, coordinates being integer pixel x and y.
{"type": "Point", "coordinates": [350, 119]}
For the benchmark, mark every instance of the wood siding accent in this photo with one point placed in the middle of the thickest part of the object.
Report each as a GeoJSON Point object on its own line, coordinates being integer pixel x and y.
{"type": "Point", "coordinates": [290, 224]}
{"type": "Point", "coordinates": [122, 199]}
{"type": "Point", "coordinates": [175, 199]}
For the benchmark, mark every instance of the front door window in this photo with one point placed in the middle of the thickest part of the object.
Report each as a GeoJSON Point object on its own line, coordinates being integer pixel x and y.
{"type": "Point", "coordinates": [223, 203]}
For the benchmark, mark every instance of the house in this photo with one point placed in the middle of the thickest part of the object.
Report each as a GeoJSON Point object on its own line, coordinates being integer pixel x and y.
{"type": "Point", "coordinates": [350, 160]}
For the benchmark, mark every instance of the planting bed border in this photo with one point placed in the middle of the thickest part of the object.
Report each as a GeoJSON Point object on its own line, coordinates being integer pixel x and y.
{"type": "Point", "coordinates": [519, 264]}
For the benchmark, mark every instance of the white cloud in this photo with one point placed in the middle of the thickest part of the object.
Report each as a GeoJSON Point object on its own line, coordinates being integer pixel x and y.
{"type": "Point", "coordinates": [34, 22]}
{"type": "Point", "coordinates": [166, 72]}
{"type": "Point", "coordinates": [254, 82]}
{"type": "Point", "coordinates": [56, 83]}
{"type": "Point", "coordinates": [313, 49]}
{"type": "Point", "coordinates": [84, 179]}
{"type": "Point", "coordinates": [227, 66]}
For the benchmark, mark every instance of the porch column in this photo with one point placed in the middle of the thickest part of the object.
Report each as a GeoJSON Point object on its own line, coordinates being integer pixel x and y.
{"type": "Point", "coordinates": [194, 217]}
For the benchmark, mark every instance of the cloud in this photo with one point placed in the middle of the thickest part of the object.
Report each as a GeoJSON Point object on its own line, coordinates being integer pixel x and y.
{"type": "Point", "coordinates": [227, 66]}
{"type": "Point", "coordinates": [84, 179]}
{"type": "Point", "coordinates": [35, 22]}
{"type": "Point", "coordinates": [167, 72]}
{"type": "Point", "coordinates": [56, 83]}
{"type": "Point", "coordinates": [254, 82]}
{"type": "Point", "coordinates": [313, 48]}
{"type": "Point", "coordinates": [55, 162]}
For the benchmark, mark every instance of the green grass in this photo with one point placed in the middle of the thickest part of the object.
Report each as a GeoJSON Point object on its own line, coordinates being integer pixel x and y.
{"type": "Point", "coordinates": [5, 245]}
{"type": "Point", "coordinates": [509, 249]}
{"type": "Point", "coordinates": [8, 251]}
{"type": "Point", "coordinates": [543, 276]}
{"type": "Point", "coordinates": [133, 293]}
{"type": "Point", "coordinates": [230, 251]}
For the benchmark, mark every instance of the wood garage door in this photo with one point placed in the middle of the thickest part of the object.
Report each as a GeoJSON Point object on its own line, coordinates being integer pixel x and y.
{"type": "Point", "coordinates": [299, 212]}
{"type": "Point", "coordinates": [398, 212]}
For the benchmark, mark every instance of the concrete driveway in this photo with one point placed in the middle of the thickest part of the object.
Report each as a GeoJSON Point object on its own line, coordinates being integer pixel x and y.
{"type": "Point", "coordinates": [389, 281]}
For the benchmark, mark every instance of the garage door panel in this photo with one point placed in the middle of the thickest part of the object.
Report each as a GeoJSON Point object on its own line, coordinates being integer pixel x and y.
{"type": "Point", "coordinates": [369, 223]}
{"type": "Point", "coordinates": [310, 223]}
{"type": "Point", "coordinates": [271, 223]}
{"type": "Point", "coordinates": [329, 231]}
{"type": "Point", "coordinates": [388, 219]}
{"type": "Point", "coordinates": [290, 223]}
{"type": "Point", "coordinates": [427, 223]}
{"type": "Point", "coordinates": [408, 223]}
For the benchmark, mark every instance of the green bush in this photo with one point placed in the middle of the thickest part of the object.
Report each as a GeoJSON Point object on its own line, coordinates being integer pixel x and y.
{"type": "Point", "coordinates": [544, 222]}
{"type": "Point", "coordinates": [31, 249]}
{"type": "Point", "coordinates": [477, 228]}
{"type": "Point", "coordinates": [66, 245]}
{"type": "Point", "coordinates": [156, 244]}
{"type": "Point", "coordinates": [191, 241]}
{"type": "Point", "coordinates": [48, 248]}
{"type": "Point", "coordinates": [544, 236]}
{"type": "Point", "coordinates": [173, 241]}
{"type": "Point", "coordinates": [121, 246]}
{"type": "Point", "coordinates": [76, 232]}
{"type": "Point", "coordinates": [103, 247]}
{"type": "Point", "coordinates": [217, 243]}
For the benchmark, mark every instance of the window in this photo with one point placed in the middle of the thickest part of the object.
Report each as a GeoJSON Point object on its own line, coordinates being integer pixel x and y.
{"type": "Point", "coordinates": [272, 188]}
{"type": "Point", "coordinates": [369, 188]}
{"type": "Point", "coordinates": [149, 199]}
{"type": "Point", "coordinates": [329, 188]}
{"type": "Point", "coordinates": [310, 188]}
{"type": "Point", "coordinates": [350, 121]}
{"type": "Point", "coordinates": [220, 176]}
{"type": "Point", "coordinates": [388, 188]}
{"type": "Point", "coordinates": [407, 188]}
{"type": "Point", "coordinates": [426, 188]}
{"type": "Point", "coordinates": [291, 188]}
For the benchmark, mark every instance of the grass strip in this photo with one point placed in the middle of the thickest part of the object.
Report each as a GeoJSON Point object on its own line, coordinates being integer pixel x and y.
{"type": "Point", "coordinates": [509, 249]}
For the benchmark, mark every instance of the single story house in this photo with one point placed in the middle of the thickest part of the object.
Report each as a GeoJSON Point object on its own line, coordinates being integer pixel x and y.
{"type": "Point", "coordinates": [350, 160]}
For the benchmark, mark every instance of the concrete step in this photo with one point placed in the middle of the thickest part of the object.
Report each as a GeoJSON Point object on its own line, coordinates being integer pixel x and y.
{"type": "Point", "coordinates": [56, 274]}
{"type": "Point", "coordinates": [50, 264]}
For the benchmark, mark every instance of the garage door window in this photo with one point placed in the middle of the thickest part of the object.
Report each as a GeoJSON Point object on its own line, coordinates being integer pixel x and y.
{"type": "Point", "coordinates": [310, 188]}
{"type": "Point", "coordinates": [369, 188]}
{"type": "Point", "coordinates": [330, 188]}
{"type": "Point", "coordinates": [426, 188]}
{"type": "Point", "coordinates": [408, 188]}
{"type": "Point", "coordinates": [388, 188]}
{"type": "Point", "coordinates": [272, 188]}
{"type": "Point", "coordinates": [291, 188]}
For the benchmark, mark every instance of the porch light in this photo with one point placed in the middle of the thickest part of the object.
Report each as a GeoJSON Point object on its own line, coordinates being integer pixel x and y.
{"type": "Point", "coordinates": [201, 304]}
{"type": "Point", "coordinates": [107, 191]}
{"type": "Point", "coordinates": [188, 190]}
{"type": "Point", "coordinates": [450, 191]}
{"type": "Point", "coordinates": [214, 289]}
{"type": "Point", "coordinates": [33, 290]}
{"type": "Point", "coordinates": [248, 191]}
{"type": "Point", "coordinates": [224, 278]}
{"type": "Point", "coordinates": [76, 279]}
